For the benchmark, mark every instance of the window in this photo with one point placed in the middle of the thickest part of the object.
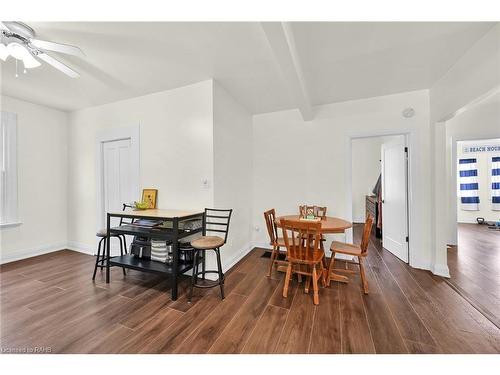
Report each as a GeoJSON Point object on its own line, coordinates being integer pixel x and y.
{"type": "Point", "coordinates": [8, 165]}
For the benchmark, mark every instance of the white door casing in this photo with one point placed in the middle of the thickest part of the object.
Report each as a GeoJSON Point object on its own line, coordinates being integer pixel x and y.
{"type": "Point", "coordinates": [394, 197]}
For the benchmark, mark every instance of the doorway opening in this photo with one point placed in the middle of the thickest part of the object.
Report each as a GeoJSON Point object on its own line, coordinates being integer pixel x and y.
{"type": "Point", "coordinates": [474, 257]}
{"type": "Point", "coordinates": [379, 188]}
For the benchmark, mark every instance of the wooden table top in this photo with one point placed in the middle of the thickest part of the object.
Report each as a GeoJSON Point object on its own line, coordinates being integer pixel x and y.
{"type": "Point", "coordinates": [157, 213]}
{"type": "Point", "coordinates": [329, 224]}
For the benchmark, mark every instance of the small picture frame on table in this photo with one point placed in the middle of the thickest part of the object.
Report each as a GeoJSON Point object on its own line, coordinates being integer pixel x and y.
{"type": "Point", "coordinates": [149, 196]}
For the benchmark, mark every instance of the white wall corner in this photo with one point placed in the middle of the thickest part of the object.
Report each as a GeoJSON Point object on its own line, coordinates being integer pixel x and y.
{"type": "Point", "coordinates": [81, 247]}
{"type": "Point", "coordinates": [441, 270]}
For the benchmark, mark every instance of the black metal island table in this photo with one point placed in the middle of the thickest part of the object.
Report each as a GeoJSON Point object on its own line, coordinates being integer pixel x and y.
{"type": "Point", "coordinates": [171, 232]}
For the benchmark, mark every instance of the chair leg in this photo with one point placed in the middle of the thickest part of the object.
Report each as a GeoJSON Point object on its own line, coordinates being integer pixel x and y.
{"type": "Point", "coordinates": [315, 286]}
{"type": "Point", "coordinates": [307, 285]}
{"type": "Point", "coordinates": [273, 257]}
{"type": "Point", "coordinates": [287, 279]}
{"type": "Point", "coordinates": [125, 243]}
{"type": "Point", "coordinates": [195, 259]}
{"type": "Point", "coordinates": [97, 258]}
{"type": "Point", "coordinates": [322, 274]}
{"type": "Point", "coordinates": [204, 264]}
{"type": "Point", "coordinates": [330, 269]}
{"type": "Point", "coordinates": [363, 276]}
{"type": "Point", "coordinates": [121, 253]}
{"type": "Point", "coordinates": [221, 274]}
{"type": "Point", "coordinates": [103, 254]}
{"type": "Point", "coordinates": [196, 268]}
{"type": "Point", "coordinates": [299, 276]}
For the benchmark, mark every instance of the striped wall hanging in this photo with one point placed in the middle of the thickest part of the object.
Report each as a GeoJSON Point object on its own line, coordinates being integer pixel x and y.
{"type": "Point", "coordinates": [469, 186]}
{"type": "Point", "coordinates": [495, 183]}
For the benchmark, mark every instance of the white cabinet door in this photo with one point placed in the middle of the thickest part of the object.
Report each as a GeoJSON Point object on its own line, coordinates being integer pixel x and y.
{"type": "Point", "coordinates": [394, 198]}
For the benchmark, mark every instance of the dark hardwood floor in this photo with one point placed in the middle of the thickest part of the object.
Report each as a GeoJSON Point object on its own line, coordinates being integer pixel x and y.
{"type": "Point", "coordinates": [50, 301]}
{"type": "Point", "coordinates": [475, 268]}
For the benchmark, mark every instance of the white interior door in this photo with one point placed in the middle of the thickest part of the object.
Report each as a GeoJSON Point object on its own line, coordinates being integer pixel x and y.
{"type": "Point", "coordinates": [394, 198]}
{"type": "Point", "coordinates": [117, 176]}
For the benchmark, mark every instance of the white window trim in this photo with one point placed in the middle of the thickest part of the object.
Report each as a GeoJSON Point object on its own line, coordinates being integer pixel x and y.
{"type": "Point", "coordinates": [9, 201]}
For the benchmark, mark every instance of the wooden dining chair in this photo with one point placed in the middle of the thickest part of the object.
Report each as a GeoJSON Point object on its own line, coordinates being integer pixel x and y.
{"type": "Point", "coordinates": [276, 242]}
{"type": "Point", "coordinates": [304, 257]}
{"type": "Point", "coordinates": [360, 251]}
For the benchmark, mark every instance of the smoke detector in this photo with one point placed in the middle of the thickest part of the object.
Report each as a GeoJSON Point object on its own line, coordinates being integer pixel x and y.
{"type": "Point", "coordinates": [408, 112]}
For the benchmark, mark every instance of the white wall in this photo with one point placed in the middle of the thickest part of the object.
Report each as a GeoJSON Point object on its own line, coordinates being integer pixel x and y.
{"type": "Point", "coordinates": [366, 168]}
{"type": "Point", "coordinates": [176, 153]}
{"type": "Point", "coordinates": [308, 162]}
{"type": "Point", "coordinates": [42, 177]}
{"type": "Point", "coordinates": [474, 76]}
{"type": "Point", "coordinates": [233, 171]}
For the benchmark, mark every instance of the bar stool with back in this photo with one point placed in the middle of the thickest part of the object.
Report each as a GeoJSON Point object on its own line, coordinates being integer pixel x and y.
{"type": "Point", "coordinates": [102, 234]}
{"type": "Point", "coordinates": [214, 220]}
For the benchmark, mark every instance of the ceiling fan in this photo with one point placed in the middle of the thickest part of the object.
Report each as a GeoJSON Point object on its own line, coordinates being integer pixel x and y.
{"type": "Point", "coordinates": [18, 40]}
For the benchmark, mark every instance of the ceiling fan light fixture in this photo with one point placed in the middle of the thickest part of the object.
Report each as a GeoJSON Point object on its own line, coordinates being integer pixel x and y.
{"type": "Point", "coordinates": [4, 53]}
{"type": "Point", "coordinates": [30, 62]}
{"type": "Point", "coordinates": [20, 52]}
{"type": "Point", "coordinates": [17, 51]}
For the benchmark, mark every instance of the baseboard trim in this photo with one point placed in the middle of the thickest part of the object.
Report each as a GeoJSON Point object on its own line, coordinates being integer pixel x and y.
{"type": "Point", "coordinates": [81, 248]}
{"type": "Point", "coordinates": [32, 252]}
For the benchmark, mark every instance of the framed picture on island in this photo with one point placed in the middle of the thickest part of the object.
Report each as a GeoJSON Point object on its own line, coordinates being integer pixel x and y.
{"type": "Point", "coordinates": [149, 197]}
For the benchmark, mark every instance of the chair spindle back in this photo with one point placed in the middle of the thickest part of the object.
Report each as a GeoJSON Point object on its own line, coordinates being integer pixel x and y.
{"type": "Point", "coordinates": [293, 231]}
{"type": "Point", "coordinates": [217, 220]}
{"type": "Point", "coordinates": [272, 230]}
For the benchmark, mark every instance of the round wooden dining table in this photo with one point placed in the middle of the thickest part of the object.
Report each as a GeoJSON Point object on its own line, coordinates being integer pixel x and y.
{"type": "Point", "coordinates": [329, 225]}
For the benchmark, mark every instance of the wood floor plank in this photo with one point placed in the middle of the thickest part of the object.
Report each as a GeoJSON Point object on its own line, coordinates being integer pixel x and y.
{"type": "Point", "coordinates": [385, 333]}
{"type": "Point", "coordinates": [267, 332]}
{"type": "Point", "coordinates": [356, 335]}
{"type": "Point", "coordinates": [326, 334]}
{"type": "Point", "coordinates": [277, 298]}
{"type": "Point", "coordinates": [209, 330]}
{"type": "Point", "coordinates": [296, 335]}
{"type": "Point", "coordinates": [409, 323]}
{"type": "Point", "coordinates": [234, 337]}
{"type": "Point", "coordinates": [149, 331]}
{"type": "Point", "coordinates": [419, 348]}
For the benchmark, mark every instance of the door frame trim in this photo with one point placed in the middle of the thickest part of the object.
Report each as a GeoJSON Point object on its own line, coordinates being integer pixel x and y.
{"type": "Point", "coordinates": [110, 135]}
{"type": "Point", "coordinates": [413, 259]}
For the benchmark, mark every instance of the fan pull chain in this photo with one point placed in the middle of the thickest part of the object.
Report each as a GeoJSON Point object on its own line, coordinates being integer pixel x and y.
{"type": "Point", "coordinates": [17, 75]}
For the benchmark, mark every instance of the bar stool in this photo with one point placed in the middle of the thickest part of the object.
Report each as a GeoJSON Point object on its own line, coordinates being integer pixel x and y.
{"type": "Point", "coordinates": [102, 234]}
{"type": "Point", "coordinates": [214, 220]}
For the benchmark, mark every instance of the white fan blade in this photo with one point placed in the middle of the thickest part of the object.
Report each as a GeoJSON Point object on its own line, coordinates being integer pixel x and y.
{"type": "Point", "coordinates": [58, 65]}
{"type": "Point", "coordinates": [57, 47]}
{"type": "Point", "coordinates": [3, 27]}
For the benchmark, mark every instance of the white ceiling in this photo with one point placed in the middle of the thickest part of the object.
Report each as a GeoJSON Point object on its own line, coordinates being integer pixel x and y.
{"type": "Point", "coordinates": [339, 61]}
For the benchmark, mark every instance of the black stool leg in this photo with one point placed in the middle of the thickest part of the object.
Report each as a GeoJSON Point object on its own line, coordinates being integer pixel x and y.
{"type": "Point", "coordinates": [221, 275]}
{"type": "Point", "coordinates": [121, 253]}
{"type": "Point", "coordinates": [195, 258]}
{"type": "Point", "coordinates": [197, 269]}
{"type": "Point", "coordinates": [125, 243]}
{"type": "Point", "coordinates": [103, 256]}
{"type": "Point", "coordinates": [204, 264]}
{"type": "Point", "coordinates": [97, 258]}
